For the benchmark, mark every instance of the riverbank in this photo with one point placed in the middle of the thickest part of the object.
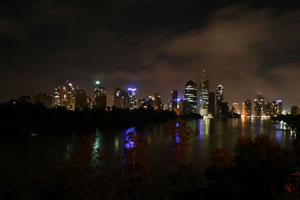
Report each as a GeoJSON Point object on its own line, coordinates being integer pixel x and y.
{"type": "Point", "coordinates": [23, 118]}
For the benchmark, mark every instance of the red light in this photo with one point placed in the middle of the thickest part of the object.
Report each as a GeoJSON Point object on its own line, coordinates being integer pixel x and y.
{"type": "Point", "coordinates": [203, 70]}
{"type": "Point", "coordinates": [67, 81]}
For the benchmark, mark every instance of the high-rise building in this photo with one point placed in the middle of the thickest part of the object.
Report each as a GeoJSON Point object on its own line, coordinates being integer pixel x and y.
{"type": "Point", "coordinates": [132, 98]}
{"type": "Point", "coordinates": [224, 109]}
{"type": "Point", "coordinates": [100, 95]}
{"type": "Point", "coordinates": [173, 101]}
{"type": "Point", "coordinates": [204, 95]}
{"type": "Point", "coordinates": [125, 100]}
{"type": "Point", "coordinates": [211, 104]}
{"type": "Point", "coordinates": [259, 105]}
{"type": "Point", "coordinates": [295, 110]}
{"type": "Point", "coordinates": [147, 103]}
{"type": "Point", "coordinates": [81, 99]}
{"type": "Point", "coordinates": [235, 108]}
{"type": "Point", "coordinates": [44, 99]}
{"type": "Point", "coordinates": [64, 96]}
{"type": "Point", "coordinates": [246, 108]}
{"type": "Point", "coordinates": [118, 98]}
{"type": "Point", "coordinates": [157, 102]}
{"type": "Point", "coordinates": [277, 107]}
{"type": "Point", "coordinates": [268, 109]}
{"type": "Point", "coordinates": [219, 98]}
{"type": "Point", "coordinates": [190, 95]}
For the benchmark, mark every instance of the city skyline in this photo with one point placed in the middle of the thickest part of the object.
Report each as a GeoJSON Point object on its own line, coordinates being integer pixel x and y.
{"type": "Point", "coordinates": [128, 99]}
{"type": "Point", "coordinates": [154, 45]}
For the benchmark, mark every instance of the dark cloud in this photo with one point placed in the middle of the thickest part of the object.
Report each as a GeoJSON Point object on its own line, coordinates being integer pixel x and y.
{"type": "Point", "coordinates": [153, 45]}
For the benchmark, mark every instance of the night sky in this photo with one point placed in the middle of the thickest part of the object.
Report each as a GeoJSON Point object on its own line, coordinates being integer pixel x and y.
{"type": "Point", "coordinates": [154, 45]}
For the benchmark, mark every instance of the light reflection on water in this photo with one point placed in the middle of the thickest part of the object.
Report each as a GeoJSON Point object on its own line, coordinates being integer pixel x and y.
{"type": "Point", "coordinates": [45, 153]}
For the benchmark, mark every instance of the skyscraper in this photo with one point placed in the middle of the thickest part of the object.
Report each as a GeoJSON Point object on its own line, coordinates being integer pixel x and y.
{"type": "Point", "coordinates": [157, 102]}
{"type": "Point", "coordinates": [64, 96]}
{"type": "Point", "coordinates": [259, 105]}
{"type": "Point", "coordinates": [277, 107]}
{"type": "Point", "coordinates": [204, 95]}
{"type": "Point", "coordinates": [44, 99]}
{"type": "Point", "coordinates": [132, 98]}
{"type": "Point", "coordinates": [118, 97]}
{"type": "Point", "coordinates": [190, 95]}
{"type": "Point", "coordinates": [219, 98]}
{"type": "Point", "coordinates": [173, 101]}
{"type": "Point", "coordinates": [81, 99]}
{"type": "Point", "coordinates": [211, 104]}
{"type": "Point", "coordinates": [295, 110]}
{"type": "Point", "coordinates": [235, 108]}
{"type": "Point", "coordinates": [100, 95]}
{"type": "Point", "coordinates": [246, 108]}
{"type": "Point", "coordinates": [268, 109]}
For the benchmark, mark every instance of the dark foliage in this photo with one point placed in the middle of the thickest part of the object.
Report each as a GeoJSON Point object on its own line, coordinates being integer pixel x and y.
{"type": "Point", "coordinates": [21, 117]}
{"type": "Point", "coordinates": [258, 169]}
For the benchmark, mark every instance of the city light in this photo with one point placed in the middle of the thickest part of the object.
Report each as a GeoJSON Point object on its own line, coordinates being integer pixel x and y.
{"type": "Point", "coordinates": [132, 89]}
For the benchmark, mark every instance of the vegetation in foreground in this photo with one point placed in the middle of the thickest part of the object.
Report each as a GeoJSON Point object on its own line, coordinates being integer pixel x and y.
{"type": "Point", "coordinates": [255, 169]}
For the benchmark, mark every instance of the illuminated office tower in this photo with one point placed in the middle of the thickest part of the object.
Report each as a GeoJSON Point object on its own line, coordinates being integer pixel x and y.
{"type": "Point", "coordinates": [132, 98]}
{"type": "Point", "coordinates": [81, 99]}
{"type": "Point", "coordinates": [64, 96]}
{"type": "Point", "coordinates": [219, 98]}
{"type": "Point", "coordinates": [204, 95]}
{"type": "Point", "coordinates": [295, 110]}
{"type": "Point", "coordinates": [147, 103]}
{"type": "Point", "coordinates": [259, 105]}
{"type": "Point", "coordinates": [277, 107]}
{"type": "Point", "coordinates": [157, 102]}
{"type": "Point", "coordinates": [246, 108]}
{"type": "Point", "coordinates": [100, 95]}
{"type": "Point", "coordinates": [44, 99]}
{"type": "Point", "coordinates": [125, 100]}
{"type": "Point", "coordinates": [190, 96]}
{"type": "Point", "coordinates": [118, 97]}
{"type": "Point", "coordinates": [173, 101]}
{"type": "Point", "coordinates": [235, 108]}
{"type": "Point", "coordinates": [268, 109]}
{"type": "Point", "coordinates": [211, 103]}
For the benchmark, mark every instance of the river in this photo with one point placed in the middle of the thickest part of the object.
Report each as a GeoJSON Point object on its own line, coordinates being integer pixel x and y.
{"type": "Point", "coordinates": [24, 158]}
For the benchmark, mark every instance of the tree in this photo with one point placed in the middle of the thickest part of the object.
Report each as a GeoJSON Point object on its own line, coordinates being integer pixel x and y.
{"type": "Point", "coordinates": [181, 135]}
{"type": "Point", "coordinates": [134, 170]}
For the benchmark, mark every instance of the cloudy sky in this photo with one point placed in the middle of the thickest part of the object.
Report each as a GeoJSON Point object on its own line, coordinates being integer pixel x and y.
{"type": "Point", "coordinates": [154, 45]}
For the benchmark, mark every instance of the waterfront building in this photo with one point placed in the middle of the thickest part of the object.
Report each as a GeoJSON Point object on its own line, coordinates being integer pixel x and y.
{"type": "Point", "coordinates": [259, 105]}
{"type": "Point", "coordinates": [173, 101]}
{"type": "Point", "coordinates": [44, 99]}
{"type": "Point", "coordinates": [157, 102]}
{"type": "Point", "coordinates": [147, 103]}
{"type": "Point", "coordinates": [99, 95]}
{"type": "Point", "coordinates": [64, 96]}
{"type": "Point", "coordinates": [268, 109]}
{"type": "Point", "coordinates": [81, 99]}
{"type": "Point", "coordinates": [277, 107]}
{"type": "Point", "coordinates": [118, 98]}
{"type": "Point", "coordinates": [204, 95]}
{"type": "Point", "coordinates": [190, 95]}
{"type": "Point", "coordinates": [247, 108]}
{"type": "Point", "coordinates": [211, 103]}
{"type": "Point", "coordinates": [235, 108]}
{"type": "Point", "coordinates": [132, 98]}
{"type": "Point", "coordinates": [219, 99]}
{"type": "Point", "coordinates": [295, 110]}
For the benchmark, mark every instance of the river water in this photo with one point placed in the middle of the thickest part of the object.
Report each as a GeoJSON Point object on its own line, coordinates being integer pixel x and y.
{"type": "Point", "coordinates": [24, 158]}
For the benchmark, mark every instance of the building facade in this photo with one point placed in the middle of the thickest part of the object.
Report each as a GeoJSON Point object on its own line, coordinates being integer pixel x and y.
{"type": "Point", "coordinates": [99, 95]}
{"type": "Point", "coordinates": [190, 96]}
{"type": "Point", "coordinates": [64, 96]}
